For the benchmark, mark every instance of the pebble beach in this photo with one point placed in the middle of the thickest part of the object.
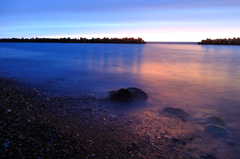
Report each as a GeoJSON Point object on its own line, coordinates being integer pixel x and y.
{"type": "Point", "coordinates": [35, 125]}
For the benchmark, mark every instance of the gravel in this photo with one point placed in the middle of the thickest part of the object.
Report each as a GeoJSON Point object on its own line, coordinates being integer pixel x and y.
{"type": "Point", "coordinates": [36, 125]}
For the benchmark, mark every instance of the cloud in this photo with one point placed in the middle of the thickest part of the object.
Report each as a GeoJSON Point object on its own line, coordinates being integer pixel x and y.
{"type": "Point", "coordinates": [55, 17]}
{"type": "Point", "coordinates": [56, 6]}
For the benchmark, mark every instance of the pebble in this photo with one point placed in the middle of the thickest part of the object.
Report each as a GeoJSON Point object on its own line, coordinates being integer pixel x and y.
{"type": "Point", "coordinates": [175, 112]}
{"type": "Point", "coordinates": [195, 157]}
{"type": "Point", "coordinates": [231, 143]}
{"type": "Point", "coordinates": [111, 115]}
{"type": "Point", "coordinates": [207, 156]}
{"type": "Point", "coordinates": [5, 145]}
{"type": "Point", "coordinates": [41, 140]}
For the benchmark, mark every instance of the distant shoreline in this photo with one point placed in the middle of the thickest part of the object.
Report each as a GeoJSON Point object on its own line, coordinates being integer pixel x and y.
{"type": "Point", "coordinates": [233, 41]}
{"type": "Point", "coordinates": [75, 40]}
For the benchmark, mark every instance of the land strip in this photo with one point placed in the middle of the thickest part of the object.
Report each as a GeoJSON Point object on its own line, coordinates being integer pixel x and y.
{"type": "Point", "coordinates": [230, 41]}
{"type": "Point", "coordinates": [75, 40]}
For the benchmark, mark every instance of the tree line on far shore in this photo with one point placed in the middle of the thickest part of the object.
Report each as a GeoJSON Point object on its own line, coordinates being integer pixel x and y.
{"type": "Point", "coordinates": [75, 40]}
{"type": "Point", "coordinates": [229, 41]}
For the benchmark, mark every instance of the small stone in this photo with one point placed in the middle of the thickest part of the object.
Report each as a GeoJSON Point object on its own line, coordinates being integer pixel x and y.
{"type": "Point", "coordinates": [207, 156]}
{"type": "Point", "coordinates": [175, 112]}
{"type": "Point", "coordinates": [5, 145]}
{"type": "Point", "coordinates": [45, 99]}
{"type": "Point", "coordinates": [210, 157]}
{"type": "Point", "coordinates": [218, 131]}
{"type": "Point", "coordinates": [231, 143]}
{"type": "Point", "coordinates": [134, 146]}
{"type": "Point", "coordinates": [202, 156]}
{"type": "Point", "coordinates": [175, 140]}
{"type": "Point", "coordinates": [22, 137]}
{"type": "Point", "coordinates": [111, 115]}
{"type": "Point", "coordinates": [215, 120]}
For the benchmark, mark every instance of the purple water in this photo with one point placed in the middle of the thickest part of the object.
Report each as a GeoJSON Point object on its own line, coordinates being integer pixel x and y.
{"type": "Point", "coordinates": [202, 79]}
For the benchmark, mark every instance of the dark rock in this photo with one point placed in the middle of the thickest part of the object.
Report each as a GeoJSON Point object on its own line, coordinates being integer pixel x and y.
{"type": "Point", "coordinates": [175, 112]}
{"type": "Point", "coordinates": [127, 95]}
{"type": "Point", "coordinates": [207, 156]}
{"type": "Point", "coordinates": [122, 95]}
{"type": "Point", "coordinates": [215, 120]}
{"type": "Point", "coordinates": [231, 143]}
{"type": "Point", "coordinates": [175, 140]}
{"type": "Point", "coordinates": [195, 157]}
{"type": "Point", "coordinates": [218, 131]}
{"type": "Point", "coordinates": [138, 93]}
{"type": "Point", "coordinates": [132, 147]}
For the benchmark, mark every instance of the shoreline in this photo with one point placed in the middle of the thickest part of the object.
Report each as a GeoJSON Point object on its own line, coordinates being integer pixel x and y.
{"type": "Point", "coordinates": [35, 125]}
{"type": "Point", "coordinates": [75, 40]}
{"type": "Point", "coordinates": [233, 41]}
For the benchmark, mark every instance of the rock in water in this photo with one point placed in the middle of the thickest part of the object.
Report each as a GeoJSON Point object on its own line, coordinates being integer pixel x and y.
{"type": "Point", "coordinates": [215, 120]}
{"type": "Point", "coordinates": [175, 112]}
{"type": "Point", "coordinates": [218, 131]}
{"type": "Point", "coordinates": [122, 95]}
{"type": "Point", "coordinates": [127, 95]}
{"type": "Point", "coordinates": [138, 93]}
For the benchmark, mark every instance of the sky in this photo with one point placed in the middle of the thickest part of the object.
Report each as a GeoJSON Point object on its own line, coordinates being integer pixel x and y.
{"type": "Point", "coordinates": [152, 20]}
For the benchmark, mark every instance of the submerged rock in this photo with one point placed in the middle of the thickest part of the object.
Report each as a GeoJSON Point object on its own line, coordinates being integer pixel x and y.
{"type": "Point", "coordinates": [138, 93]}
{"type": "Point", "coordinates": [127, 95]}
{"type": "Point", "coordinates": [215, 120]}
{"type": "Point", "coordinates": [218, 131]}
{"type": "Point", "coordinates": [122, 95]}
{"type": "Point", "coordinates": [175, 112]}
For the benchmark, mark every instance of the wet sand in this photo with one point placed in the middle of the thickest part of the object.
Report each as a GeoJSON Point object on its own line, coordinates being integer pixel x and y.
{"type": "Point", "coordinates": [37, 125]}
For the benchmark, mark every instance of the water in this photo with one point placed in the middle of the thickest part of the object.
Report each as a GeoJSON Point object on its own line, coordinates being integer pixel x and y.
{"type": "Point", "coordinates": [203, 79]}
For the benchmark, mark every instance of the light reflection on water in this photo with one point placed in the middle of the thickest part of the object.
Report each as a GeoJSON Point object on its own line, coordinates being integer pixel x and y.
{"type": "Point", "coordinates": [202, 79]}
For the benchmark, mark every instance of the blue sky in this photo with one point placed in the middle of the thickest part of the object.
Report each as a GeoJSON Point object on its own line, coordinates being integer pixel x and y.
{"type": "Point", "coordinates": [153, 20]}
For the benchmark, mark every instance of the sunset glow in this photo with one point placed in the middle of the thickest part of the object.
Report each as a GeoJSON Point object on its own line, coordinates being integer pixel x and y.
{"type": "Point", "coordinates": [173, 20]}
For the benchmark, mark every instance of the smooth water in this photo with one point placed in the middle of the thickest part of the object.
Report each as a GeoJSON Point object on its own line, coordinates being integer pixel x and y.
{"type": "Point", "coordinates": [203, 79]}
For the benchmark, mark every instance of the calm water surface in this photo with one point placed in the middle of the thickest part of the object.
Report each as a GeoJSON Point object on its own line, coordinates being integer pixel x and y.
{"type": "Point", "coordinates": [203, 79]}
